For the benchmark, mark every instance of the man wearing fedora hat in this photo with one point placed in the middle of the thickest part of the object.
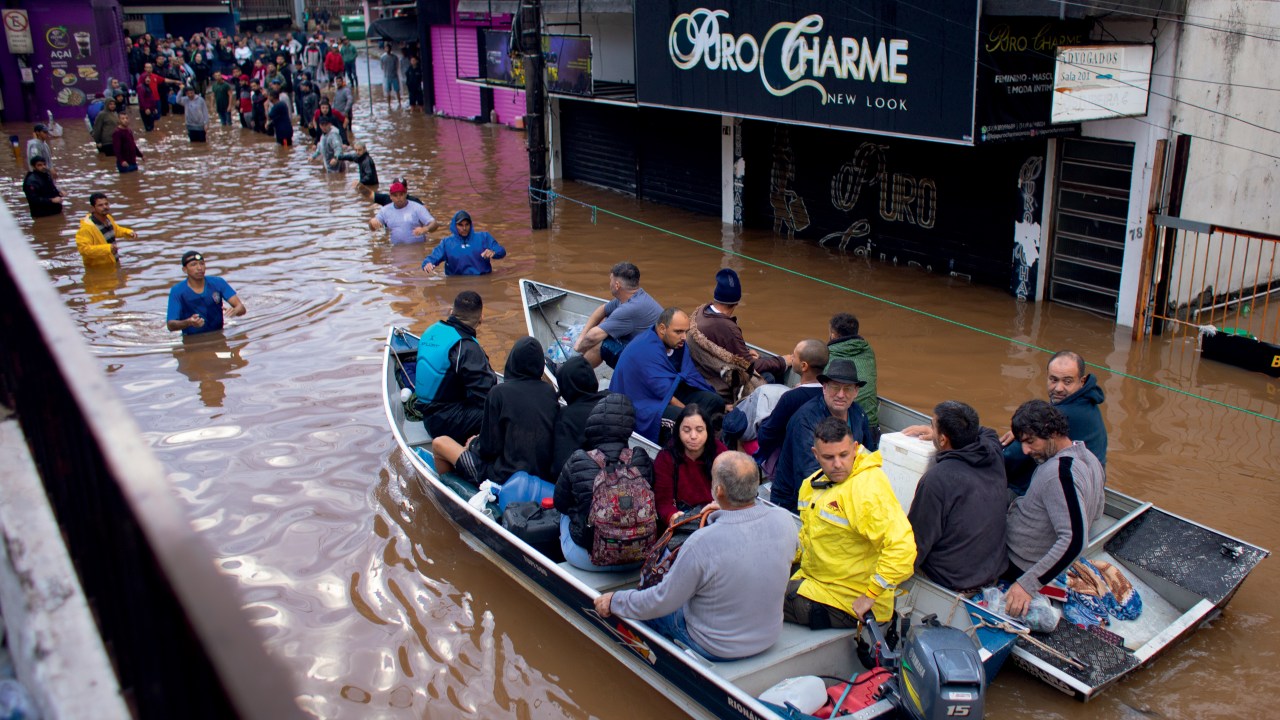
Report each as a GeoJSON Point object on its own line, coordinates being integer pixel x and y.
{"type": "Point", "coordinates": [717, 347]}
{"type": "Point", "coordinates": [796, 461]}
{"type": "Point", "coordinates": [195, 304]}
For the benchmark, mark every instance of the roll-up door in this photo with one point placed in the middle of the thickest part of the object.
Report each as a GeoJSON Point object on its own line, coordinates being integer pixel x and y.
{"type": "Point", "coordinates": [599, 144]}
{"type": "Point", "coordinates": [680, 159]}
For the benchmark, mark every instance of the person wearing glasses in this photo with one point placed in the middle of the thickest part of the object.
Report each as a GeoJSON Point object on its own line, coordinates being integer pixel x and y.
{"type": "Point", "coordinates": [856, 545]}
{"type": "Point", "coordinates": [796, 460]}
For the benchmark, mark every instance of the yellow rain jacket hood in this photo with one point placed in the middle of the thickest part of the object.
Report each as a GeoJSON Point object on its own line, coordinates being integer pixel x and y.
{"type": "Point", "coordinates": [854, 539]}
{"type": "Point", "coordinates": [93, 246]}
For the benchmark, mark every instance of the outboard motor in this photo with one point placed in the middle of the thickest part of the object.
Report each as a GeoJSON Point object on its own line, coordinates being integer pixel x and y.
{"type": "Point", "coordinates": [938, 672]}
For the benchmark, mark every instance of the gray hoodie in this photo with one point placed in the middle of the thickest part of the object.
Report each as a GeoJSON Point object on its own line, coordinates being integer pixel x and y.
{"type": "Point", "coordinates": [342, 101]}
{"type": "Point", "coordinates": [197, 112]}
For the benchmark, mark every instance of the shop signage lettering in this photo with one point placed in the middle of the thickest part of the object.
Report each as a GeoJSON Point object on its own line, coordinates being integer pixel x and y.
{"type": "Point", "coordinates": [804, 57]}
{"type": "Point", "coordinates": [815, 62]}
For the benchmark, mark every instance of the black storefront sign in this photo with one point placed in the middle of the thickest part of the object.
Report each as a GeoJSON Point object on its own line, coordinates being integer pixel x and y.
{"type": "Point", "coordinates": [944, 209]}
{"type": "Point", "coordinates": [878, 66]}
{"type": "Point", "coordinates": [1015, 76]}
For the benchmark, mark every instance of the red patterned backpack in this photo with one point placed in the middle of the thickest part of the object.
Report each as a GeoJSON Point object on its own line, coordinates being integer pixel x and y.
{"type": "Point", "coordinates": [623, 514]}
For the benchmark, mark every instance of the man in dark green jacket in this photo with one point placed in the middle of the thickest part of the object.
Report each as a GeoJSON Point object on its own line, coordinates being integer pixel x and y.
{"type": "Point", "coordinates": [847, 343]}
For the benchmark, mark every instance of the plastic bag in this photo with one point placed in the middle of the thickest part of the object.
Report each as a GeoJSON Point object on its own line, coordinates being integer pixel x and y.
{"type": "Point", "coordinates": [562, 348]}
{"type": "Point", "coordinates": [1042, 616]}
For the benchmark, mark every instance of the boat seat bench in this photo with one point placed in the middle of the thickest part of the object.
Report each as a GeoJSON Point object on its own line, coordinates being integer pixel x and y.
{"type": "Point", "coordinates": [798, 651]}
{"type": "Point", "coordinates": [603, 582]}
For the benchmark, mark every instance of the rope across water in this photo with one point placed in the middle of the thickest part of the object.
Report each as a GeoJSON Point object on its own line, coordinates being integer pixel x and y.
{"type": "Point", "coordinates": [552, 196]}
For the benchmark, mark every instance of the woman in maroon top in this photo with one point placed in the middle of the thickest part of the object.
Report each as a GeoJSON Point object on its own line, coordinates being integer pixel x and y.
{"type": "Point", "coordinates": [682, 470]}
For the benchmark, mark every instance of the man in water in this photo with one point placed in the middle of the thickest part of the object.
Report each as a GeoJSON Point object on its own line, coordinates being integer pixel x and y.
{"type": "Point", "coordinates": [98, 233]}
{"type": "Point", "coordinates": [195, 304]}
{"type": "Point", "coordinates": [43, 196]}
{"type": "Point", "coordinates": [465, 251]}
{"type": "Point", "coordinates": [330, 146]}
{"type": "Point", "coordinates": [618, 322]}
{"type": "Point", "coordinates": [38, 147]}
{"type": "Point", "coordinates": [407, 222]}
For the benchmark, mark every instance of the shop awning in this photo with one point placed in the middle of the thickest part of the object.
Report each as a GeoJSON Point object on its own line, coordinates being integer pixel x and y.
{"type": "Point", "coordinates": [395, 29]}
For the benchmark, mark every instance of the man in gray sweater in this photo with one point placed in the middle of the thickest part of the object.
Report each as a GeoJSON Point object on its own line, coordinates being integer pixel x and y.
{"type": "Point", "coordinates": [1049, 527]}
{"type": "Point", "coordinates": [723, 595]}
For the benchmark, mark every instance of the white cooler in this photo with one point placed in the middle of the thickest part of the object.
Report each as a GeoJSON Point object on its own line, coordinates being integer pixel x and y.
{"type": "Point", "coordinates": [905, 460]}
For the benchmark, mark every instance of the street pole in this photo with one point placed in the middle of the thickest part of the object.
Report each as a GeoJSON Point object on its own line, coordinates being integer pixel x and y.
{"type": "Point", "coordinates": [535, 101]}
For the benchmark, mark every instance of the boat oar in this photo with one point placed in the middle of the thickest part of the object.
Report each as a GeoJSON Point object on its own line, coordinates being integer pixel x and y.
{"type": "Point", "coordinates": [1026, 635]}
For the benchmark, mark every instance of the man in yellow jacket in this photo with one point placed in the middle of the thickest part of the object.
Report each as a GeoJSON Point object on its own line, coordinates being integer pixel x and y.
{"type": "Point", "coordinates": [96, 238]}
{"type": "Point", "coordinates": [856, 545]}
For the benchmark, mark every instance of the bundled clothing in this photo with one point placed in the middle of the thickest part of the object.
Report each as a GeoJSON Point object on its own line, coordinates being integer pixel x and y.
{"type": "Point", "coordinates": [858, 350]}
{"type": "Point", "coordinates": [96, 243]}
{"type": "Point", "coordinates": [519, 418]}
{"type": "Point", "coordinates": [796, 460]}
{"type": "Point", "coordinates": [728, 581]}
{"type": "Point", "coordinates": [580, 389]}
{"type": "Point", "coordinates": [855, 540]}
{"type": "Point", "coordinates": [452, 379]}
{"type": "Point", "coordinates": [41, 192]}
{"type": "Point", "coordinates": [461, 255]}
{"type": "Point", "coordinates": [1084, 423]}
{"type": "Point", "coordinates": [722, 356]}
{"type": "Point", "coordinates": [958, 515]}
{"type": "Point", "coordinates": [609, 427]}
{"type": "Point", "coordinates": [1049, 527]}
{"type": "Point", "coordinates": [650, 376]}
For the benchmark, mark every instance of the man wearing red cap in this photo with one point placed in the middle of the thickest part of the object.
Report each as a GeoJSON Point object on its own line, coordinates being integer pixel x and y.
{"type": "Point", "coordinates": [406, 222]}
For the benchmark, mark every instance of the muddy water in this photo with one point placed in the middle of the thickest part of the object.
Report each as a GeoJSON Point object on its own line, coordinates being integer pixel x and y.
{"type": "Point", "coordinates": [273, 436]}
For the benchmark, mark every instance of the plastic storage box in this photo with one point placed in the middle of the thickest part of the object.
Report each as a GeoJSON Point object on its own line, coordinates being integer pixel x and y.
{"type": "Point", "coordinates": [905, 460]}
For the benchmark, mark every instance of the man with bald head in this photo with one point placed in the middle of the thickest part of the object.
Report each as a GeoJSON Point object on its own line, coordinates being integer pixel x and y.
{"type": "Point", "coordinates": [657, 374]}
{"type": "Point", "coordinates": [808, 359]}
{"type": "Point", "coordinates": [1075, 393]}
{"type": "Point", "coordinates": [722, 595]}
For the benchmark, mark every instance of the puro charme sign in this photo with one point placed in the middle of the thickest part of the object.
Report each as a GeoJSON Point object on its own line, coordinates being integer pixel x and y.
{"type": "Point", "coordinates": [873, 65]}
{"type": "Point", "coordinates": [803, 56]}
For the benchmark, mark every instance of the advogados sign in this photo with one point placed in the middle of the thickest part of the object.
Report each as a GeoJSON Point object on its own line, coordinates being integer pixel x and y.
{"type": "Point", "coordinates": [879, 66]}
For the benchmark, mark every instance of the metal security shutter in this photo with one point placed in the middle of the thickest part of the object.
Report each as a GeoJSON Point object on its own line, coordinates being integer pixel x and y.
{"type": "Point", "coordinates": [680, 160]}
{"type": "Point", "coordinates": [1087, 249]}
{"type": "Point", "coordinates": [599, 144]}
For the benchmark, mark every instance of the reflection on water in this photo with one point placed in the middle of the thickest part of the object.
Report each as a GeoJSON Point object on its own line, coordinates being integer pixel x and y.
{"type": "Point", "coordinates": [274, 440]}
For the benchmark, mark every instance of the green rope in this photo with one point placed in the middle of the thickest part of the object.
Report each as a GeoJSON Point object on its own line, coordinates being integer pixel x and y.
{"type": "Point", "coordinates": [553, 195]}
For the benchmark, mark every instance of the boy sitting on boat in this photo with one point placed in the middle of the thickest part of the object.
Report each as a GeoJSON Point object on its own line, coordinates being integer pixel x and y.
{"type": "Point", "coordinates": [453, 375]}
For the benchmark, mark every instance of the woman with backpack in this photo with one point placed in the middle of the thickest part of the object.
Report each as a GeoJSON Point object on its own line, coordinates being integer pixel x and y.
{"type": "Point", "coordinates": [608, 518]}
{"type": "Point", "coordinates": [682, 471]}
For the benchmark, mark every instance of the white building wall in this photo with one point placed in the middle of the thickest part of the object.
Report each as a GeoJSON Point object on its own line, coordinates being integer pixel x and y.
{"type": "Point", "coordinates": [612, 42]}
{"type": "Point", "coordinates": [1143, 133]}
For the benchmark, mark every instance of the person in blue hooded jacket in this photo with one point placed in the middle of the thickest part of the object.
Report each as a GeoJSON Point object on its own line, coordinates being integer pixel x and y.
{"type": "Point", "coordinates": [466, 251]}
{"type": "Point", "coordinates": [1076, 395]}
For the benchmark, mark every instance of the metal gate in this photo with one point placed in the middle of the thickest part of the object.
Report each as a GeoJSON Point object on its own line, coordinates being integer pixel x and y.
{"type": "Point", "coordinates": [1216, 276]}
{"type": "Point", "coordinates": [1092, 207]}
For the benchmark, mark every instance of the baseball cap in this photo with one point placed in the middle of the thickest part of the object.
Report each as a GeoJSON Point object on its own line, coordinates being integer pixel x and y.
{"type": "Point", "coordinates": [191, 255]}
{"type": "Point", "coordinates": [398, 187]}
{"type": "Point", "coordinates": [39, 128]}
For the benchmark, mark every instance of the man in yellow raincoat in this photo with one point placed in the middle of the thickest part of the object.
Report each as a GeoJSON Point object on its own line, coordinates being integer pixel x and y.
{"type": "Point", "coordinates": [96, 238]}
{"type": "Point", "coordinates": [856, 545]}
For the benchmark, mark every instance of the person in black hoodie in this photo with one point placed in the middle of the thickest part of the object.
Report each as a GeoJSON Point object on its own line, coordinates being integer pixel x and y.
{"type": "Point", "coordinates": [609, 427]}
{"type": "Point", "coordinates": [580, 389]}
{"type": "Point", "coordinates": [958, 514]}
{"type": "Point", "coordinates": [43, 196]}
{"type": "Point", "coordinates": [452, 377]}
{"type": "Point", "coordinates": [519, 414]}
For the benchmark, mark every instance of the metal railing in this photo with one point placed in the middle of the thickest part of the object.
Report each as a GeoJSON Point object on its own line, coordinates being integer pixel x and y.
{"type": "Point", "coordinates": [172, 624]}
{"type": "Point", "coordinates": [1211, 275]}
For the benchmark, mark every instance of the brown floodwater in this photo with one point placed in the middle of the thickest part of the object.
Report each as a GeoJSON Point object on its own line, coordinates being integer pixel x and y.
{"type": "Point", "coordinates": [273, 436]}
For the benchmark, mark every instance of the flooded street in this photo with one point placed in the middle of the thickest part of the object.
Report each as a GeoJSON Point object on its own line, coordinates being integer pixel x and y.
{"type": "Point", "coordinates": [274, 439]}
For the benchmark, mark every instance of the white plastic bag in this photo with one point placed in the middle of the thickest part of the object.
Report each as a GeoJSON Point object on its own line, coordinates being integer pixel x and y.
{"type": "Point", "coordinates": [1042, 615]}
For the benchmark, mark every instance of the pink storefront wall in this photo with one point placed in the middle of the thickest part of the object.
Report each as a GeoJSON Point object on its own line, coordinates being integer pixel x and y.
{"type": "Point", "coordinates": [508, 105]}
{"type": "Point", "coordinates": [453, 55]}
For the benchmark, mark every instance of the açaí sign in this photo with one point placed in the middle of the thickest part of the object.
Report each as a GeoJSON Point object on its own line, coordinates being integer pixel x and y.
{"type": "Point", "coordinates": [874, 65]}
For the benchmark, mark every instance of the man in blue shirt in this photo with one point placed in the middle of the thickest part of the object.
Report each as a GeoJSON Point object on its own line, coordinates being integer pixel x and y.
{"type": "Point", "coordinates": [465, 251]}
{"type": "Point", "coordinates": [619, 321]}
{"type": "Point", "coordinates": [195, 304]}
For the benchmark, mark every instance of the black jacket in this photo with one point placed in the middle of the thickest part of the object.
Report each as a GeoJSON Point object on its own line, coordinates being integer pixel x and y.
{"type": "Point", "coordinates": [958, 515]}
{"type": "Point", "coordinates": [609, 427]}
{"type": "Point", "coordinates": [581, 391]}
{"type": "Point", "coordinates": [368, 171]}
{"type": "Point", "coordinates": [40, 192]}
{"type": "Point", "coordinates": [519, 416]}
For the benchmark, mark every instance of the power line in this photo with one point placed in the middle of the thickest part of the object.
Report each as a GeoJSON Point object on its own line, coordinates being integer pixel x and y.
{"type": "Point", "coordinates": [1165, 14]}
{"type": "Point", "coordinates": [1169, 19]}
